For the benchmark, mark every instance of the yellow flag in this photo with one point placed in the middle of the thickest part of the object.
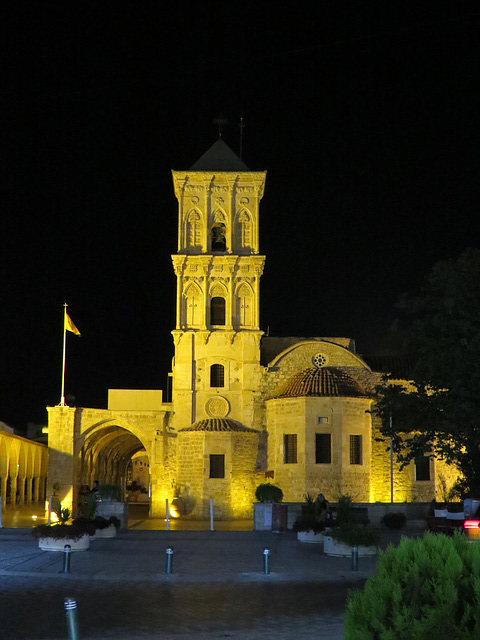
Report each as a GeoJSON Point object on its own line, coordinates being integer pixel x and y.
{"type": "Point", "coordinates": [69, 326]}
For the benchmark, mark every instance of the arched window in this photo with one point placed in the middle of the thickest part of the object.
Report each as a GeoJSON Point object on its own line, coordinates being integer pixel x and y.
{"type": "Point", "coordinates": [245, 306]}
{"type": "Point", "coordinates": [194, 238]}
{"type": "Point", "coordinates": [217, 311]}
{"type": "Point", "coordinates": [217, 375]}
{"type": "Point", "coordinates": [219, 241]}
{"type": "Point", "coordinates": [245, 229]}
{"type": "Point", "coordinates": [192, 305]}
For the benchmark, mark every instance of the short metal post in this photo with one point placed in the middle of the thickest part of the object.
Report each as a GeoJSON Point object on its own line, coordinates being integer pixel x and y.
{"type": "Point", "coordinates": [354, 558]}
{"type": "Point", "coordinates": [67, 550]}
{"type": "Point", "coordinates": [266, 567]}
{"type": "Point", "coordinates": [72, 622]}
{"type": "Point", "coordinates": [211, 514]}
{"type": "Point", "coordinates": [49, 511]}
{"type": "Point", "coordinates": [169, 559]}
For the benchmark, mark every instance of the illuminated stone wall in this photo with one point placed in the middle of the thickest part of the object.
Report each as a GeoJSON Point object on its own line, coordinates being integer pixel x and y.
{"type": "Point", "coordinates": [218, 265]}
{"type": "Point", "coordinates": [232, 495]}
{"type": "Point", "coordinates": [299, 416]}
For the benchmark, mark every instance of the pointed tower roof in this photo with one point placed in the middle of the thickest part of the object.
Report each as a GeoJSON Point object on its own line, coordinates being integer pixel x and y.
{"type": "Point", "coordinates": [219, 158]}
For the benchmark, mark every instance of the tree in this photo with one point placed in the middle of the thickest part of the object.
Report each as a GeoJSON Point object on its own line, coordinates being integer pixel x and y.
{"type": "Point", "coordinates": [422, 589]}
{"type": "Point", "coordinates": [438, 412]}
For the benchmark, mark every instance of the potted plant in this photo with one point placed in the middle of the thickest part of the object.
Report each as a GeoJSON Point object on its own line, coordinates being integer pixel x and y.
{"type": "Point", "coordinates": [102, 527]}
{"type": "Point", "coordinates": [347, 533]}
{"type": "Point", "coordinates": [268, 495]}
{"type": "Point", "coordinates": [111, 504]}
{"type": "Point", "coordinates": [110, 492]}
{"type": "Point", "coordinates": [106, 527]}
{"type": "Point", "coordinates": [54, 537]}
{"type": "Point", "coordinates": [310, 524]}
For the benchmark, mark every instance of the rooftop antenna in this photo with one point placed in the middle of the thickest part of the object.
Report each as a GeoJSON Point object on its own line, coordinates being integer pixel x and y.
{"type": "Point", "coordinates": [242, 126]}
{"type": "Point", "coordinates": [221, 122]}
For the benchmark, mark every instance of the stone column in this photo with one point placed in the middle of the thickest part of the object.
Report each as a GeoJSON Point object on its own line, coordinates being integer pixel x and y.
{"type": "Point", "coordinates": [36, 490]}
{"type": "Point", "coordinates": [61, 452]}
{"type": "Point", "coordinates": [3, 492]}
{"type": "Point", "coordinates": [29, 490]}
{"type": "Point", "coordinates": [13, 491]}
{"type": "Point", "coordinates": [21, 489]}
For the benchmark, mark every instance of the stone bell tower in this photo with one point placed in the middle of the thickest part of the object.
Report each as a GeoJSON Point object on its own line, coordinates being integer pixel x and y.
{"type": "Point", "coordinates": [216, 368]}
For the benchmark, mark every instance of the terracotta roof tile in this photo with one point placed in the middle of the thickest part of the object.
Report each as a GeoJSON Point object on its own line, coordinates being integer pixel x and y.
{"type": "Point", "coordinates": [219, 424]}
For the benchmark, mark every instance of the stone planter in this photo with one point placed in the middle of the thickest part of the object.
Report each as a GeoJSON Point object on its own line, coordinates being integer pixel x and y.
{"type": "Point", "coordinates": [108, 532]}
{"type": "Point", "coordinates": [107, 508]}
{"type": "Point", "coordinates": [334, 548]}
{"type": "Point", "coordinates": [52, 544]}
{"type": "Point", "coordinates": [311, 537]}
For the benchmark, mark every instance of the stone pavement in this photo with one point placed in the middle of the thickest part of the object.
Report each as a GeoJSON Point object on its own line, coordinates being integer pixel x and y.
{"type": "Point", "coordinates": [198, 556]}
{"type": "Point", "coordinates": [217, 588]}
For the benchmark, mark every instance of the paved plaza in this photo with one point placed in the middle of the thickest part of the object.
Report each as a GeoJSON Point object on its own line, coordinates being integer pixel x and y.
{"type": "Point", "coordinates": [217, 588]}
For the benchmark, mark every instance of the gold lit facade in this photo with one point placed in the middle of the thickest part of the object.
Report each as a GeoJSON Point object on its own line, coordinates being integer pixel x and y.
{"type": "Point", "coordinates": [245, 408]}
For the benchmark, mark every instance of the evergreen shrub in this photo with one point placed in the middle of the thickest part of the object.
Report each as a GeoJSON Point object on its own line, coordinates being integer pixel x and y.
{"type": "Point", "coordinates": [424, 589]}
{"type": "Point", "coordinates": [268, 492]}
{"type": "Point", "coordinates": [394, 520]}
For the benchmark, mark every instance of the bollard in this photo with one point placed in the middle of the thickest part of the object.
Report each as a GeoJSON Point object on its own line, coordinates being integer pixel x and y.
{"type": "Point", "coordinates": [67, 550]}
{"type": "Point", "coordinates": [266, 568]}
{"type": "Point", "coordinates": [72, 623]}
{"type": "Point", "coordinates": [169, 558]}
{"type": "Point", "coordinates": [354, 558]}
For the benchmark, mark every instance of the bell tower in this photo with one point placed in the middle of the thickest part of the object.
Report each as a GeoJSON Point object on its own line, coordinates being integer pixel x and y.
{"type": "Point", "coordinates": [216, 368]}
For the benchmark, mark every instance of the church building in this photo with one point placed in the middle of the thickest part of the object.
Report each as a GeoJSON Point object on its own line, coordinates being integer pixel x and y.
{"type": "Point", "coordinates": [245, 408]}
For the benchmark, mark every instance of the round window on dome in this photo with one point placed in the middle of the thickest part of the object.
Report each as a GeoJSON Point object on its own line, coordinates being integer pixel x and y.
{"type": "Point", "coordinates": [319, 360]}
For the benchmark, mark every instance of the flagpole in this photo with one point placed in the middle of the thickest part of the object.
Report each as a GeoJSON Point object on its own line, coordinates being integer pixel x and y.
{"type": "Point", "coordinates": [62, 400]}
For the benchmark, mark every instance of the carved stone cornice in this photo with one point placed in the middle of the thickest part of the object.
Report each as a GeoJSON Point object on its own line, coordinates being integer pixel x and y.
{"type": "Point", "coordinates": [179, 262]}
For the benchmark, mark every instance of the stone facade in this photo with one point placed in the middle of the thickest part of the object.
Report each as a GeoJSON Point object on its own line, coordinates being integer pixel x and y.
{"type": "Point", "coordinates": [242, 411]}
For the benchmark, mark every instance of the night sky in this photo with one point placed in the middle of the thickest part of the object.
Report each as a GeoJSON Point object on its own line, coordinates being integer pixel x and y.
{"type": "Point", "coordinates": [364, 114]}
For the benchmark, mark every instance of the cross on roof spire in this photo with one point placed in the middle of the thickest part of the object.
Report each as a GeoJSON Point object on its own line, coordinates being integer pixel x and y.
{"type": "Point", "coordinates": [221, 122]}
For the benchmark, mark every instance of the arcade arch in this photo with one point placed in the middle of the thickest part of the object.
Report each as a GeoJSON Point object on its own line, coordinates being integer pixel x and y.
{"type": "Point", "coordinates": [106, 456]}
{"type": "Point", "coordinates": [23, 470]}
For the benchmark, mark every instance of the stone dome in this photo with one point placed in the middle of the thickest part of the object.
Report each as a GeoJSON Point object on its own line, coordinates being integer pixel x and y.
{"type": "Point", "coordinates": [321, 382]}
{"type": "Point", "coordinates": [219, 424]}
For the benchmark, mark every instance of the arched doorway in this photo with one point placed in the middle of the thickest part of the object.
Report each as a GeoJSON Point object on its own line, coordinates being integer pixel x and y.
{"type": "Point", "coordinates": [107, 455]}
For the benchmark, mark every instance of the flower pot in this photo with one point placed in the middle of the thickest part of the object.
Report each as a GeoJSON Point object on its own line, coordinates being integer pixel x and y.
{"type": "Point", "coordinates": [310, 536]}
{"type": "Point", "coordinates": [108, 532]}
{"type": "Point", "coordinates": [334, 548]}
{"type": "Point", "coordinates": [58, 544]}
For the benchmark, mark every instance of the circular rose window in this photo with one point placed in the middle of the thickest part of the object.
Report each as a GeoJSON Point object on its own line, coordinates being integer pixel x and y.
{"type": "Point", "coordinates": [319, 360]}
{"type": "Point", "coordinates": [217, 407]}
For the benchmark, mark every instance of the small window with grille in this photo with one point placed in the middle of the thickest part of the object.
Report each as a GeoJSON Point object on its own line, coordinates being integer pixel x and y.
{"type": "Point", "coordinates": [322, 419]}
{"type": "Point", "coordinates": [217, 375]}
{"type": "Point", "coordinates": [323, 448]}
{"type": "Point", "coordinates": [217, 465]}
{"type": "Point", "coordinates": [355, 449]}
{"type": "Point", "coordinates": [290, 448]}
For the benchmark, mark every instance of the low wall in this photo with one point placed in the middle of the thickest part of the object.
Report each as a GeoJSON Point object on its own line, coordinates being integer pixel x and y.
{"type": "Point", "coordinates": [413, 511]}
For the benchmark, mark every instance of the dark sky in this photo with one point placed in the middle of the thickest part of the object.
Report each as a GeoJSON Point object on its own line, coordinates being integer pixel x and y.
{"type": "Point", "coordinates": [364, 114]}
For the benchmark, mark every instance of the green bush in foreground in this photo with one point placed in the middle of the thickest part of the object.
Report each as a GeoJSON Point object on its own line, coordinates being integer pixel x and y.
{"type": "Point", "coordinates": [423, 590]}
